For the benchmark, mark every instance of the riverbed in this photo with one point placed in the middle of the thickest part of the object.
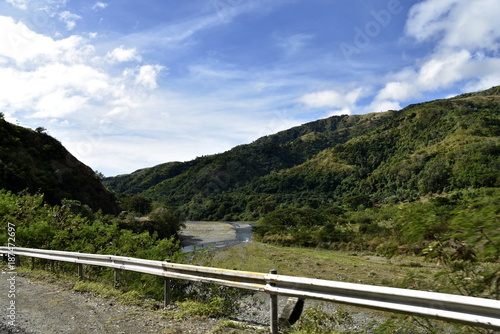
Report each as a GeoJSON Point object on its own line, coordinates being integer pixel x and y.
{"type": "Point", "coordinates": [214, 235]}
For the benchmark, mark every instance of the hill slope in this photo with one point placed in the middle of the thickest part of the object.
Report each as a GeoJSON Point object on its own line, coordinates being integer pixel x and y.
{"type": "Point", "coordinates": [35, 161]}
{"type": "Point", "coordinates": [354, 160]}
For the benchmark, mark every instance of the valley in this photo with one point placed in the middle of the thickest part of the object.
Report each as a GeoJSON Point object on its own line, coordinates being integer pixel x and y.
{"type": "Point", "coordinates": [405, 198]}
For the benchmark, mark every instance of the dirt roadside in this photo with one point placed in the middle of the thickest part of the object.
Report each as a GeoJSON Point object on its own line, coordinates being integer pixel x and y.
{"type": "Point", "coordinates": [42, 308]}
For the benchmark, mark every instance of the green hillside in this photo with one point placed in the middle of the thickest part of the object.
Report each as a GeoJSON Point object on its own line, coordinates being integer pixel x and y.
{"type": "Point", "coordinates": [34, 161]}
{"type": "Point", "coordinates": [356, 160]}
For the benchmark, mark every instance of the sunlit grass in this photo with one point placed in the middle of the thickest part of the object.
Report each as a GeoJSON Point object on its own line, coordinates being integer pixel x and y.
{"type": "Point", "coordinates": [353, 267]}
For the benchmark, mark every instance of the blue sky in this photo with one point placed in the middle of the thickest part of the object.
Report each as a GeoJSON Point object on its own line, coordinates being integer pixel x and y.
{"type": "Point", "coordinates": [127, 84]}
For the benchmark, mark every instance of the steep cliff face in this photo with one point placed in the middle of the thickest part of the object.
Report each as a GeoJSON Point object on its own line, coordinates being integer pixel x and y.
{"type": "Point", "coordinates": [34, 161]}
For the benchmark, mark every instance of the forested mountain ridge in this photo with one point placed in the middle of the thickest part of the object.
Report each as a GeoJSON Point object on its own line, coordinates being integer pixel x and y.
{"type": "Point", "coordinates": [423, 149]}
{"type": "Point", "coordinates": [34, 161]}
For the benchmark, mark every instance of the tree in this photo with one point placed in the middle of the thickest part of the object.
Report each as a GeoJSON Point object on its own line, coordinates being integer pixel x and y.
{"type": "Point", "coordinates": [137, 203]}
{"type": "Point", "coordinates": [167, 223]}
{"type": "Point", "coordinates": [41, 129]}
{"type": "Point", "coordinates": [358, 201]}
{"type": "Point", "coordinates": [99, 175]}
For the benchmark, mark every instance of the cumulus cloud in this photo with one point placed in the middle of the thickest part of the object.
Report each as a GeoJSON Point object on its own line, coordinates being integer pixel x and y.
{"type": "Point", "coordinates": [345, 101]}
{"type": "Point", "coordinates": [429, 17]}
{"type": "Point", "coordinates": [456, 23]}
{"type": "Point", "coordinates": [383, 105]}
{"type": "Point", "coordinates": [147, 76]}
{"type": "Point", "coordinates": [122, 54]}
{"type": "Point", "coordinates": [26, 48]}
{"type": "Point", "coordinates": [466, 31]}
{"type": "Point", "coordinates": [466, 35]}
{"type": "Point", "coordinates": [52, 90]}
{"type": "Point", "coordinates": [398, 91]}
{"type": "Point", "coordinates": [69, 18]}
{"type": "Point", "coordinates": [330, 98]}
{"type": "Point", "coordinates": [443, 69]}
{"type": "Point", "coordinates": [47, 78]}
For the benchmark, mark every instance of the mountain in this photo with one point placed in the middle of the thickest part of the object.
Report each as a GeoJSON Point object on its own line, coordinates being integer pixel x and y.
{"type": "Point", "coordinates": [34, 161]}
{"type": "Point", "coordinates": [393, 156]}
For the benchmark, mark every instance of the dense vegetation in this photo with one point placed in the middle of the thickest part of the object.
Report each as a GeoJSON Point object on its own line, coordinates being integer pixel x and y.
{"type": "Point", "coordinates": [35, 161]}
{"type": "Point", "coordinates": [32, 223]}
{"type": "Point", "coordinates": [423, 149]}
{"type": "Point", "coordinates": [75, 227]}
{"type": "Point", "coordinates": [463, 225]}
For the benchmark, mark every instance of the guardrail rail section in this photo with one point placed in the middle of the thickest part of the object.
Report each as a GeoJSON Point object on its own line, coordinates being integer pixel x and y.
{"type": "Point", "coordinates": [472, 311]}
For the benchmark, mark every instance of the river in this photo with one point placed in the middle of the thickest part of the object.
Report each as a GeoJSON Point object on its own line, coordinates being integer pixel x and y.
{"type": "Point", "coordinates": [218, 235]}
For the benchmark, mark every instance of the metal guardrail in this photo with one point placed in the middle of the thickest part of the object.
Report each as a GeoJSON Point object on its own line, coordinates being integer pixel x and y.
{"type": "Point", "coordinates": [455, 308]}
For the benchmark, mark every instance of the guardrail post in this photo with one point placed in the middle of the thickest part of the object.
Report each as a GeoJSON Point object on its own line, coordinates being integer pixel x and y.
{"type": "Point", "coordinates": [32, 263]}
{"type": "Point", "coordinates": [274, 308]}
{"type": "Point", "coordinates": [117, 277]}
{"type": "Point", "coordinates": [17, 260]}
{"type": "Point", "coordinates": [166, 290]}
{"type": "Point", "coordinates": [80, 269]}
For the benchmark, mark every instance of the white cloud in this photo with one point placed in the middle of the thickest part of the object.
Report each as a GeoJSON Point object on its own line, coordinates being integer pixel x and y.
{"type": "Point", "coordinates": [54, 85]}
{"type": "Point", "coordinates": [383, 105]}
{"type": "Point", "coordinates": [456, 23]}
{"type": "Point", "coordinates": [147, 76]}
{"type": "Point", "coordinates": [41, 77]}
{"type": "Point", "coordinates": [21, 4]}
{"type": "Point", "coordinates": [345, 101]}
{"type": "Point", "coordinates": [339, 112]}
{"type": "Point", "coordinates": [466, 36]}
{"type": "Point", "coordinates": [122, 54]}
{"type": "Point", "coordinates": [51, 7]}
{"type": "Point", "coordinates": [67, 85]}
{"type": "Point", "coordinates": [69, 18]}
{"type": "Point", "coordinates": [401, 91]}
{"type": "Point", "coordinates": [170, 126]}
{"type": "Point", "coordinates": [428, 18]}
{"type": "Point", "coordinates": [58, 103]}
{"type": "Point", "coordinates": [27, 48]}
{"type": "Point", "coordinates": [99, 5]}
{"type": "Point", "coordinates": [441, 70]}
{"type": "Point", "coordinates": [444, 69]}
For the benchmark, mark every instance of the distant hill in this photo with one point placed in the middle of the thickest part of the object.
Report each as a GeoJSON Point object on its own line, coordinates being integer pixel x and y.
{"type": "Point", "coordinates": [34, 161]}
{"type": "Point", "coordinates": [356, 160]}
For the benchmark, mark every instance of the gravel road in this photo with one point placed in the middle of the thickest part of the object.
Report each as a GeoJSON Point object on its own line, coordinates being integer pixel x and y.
{"type": "Point", "coordinates": [42, 308]}
{"type": "Point", "coordinates": [53, 308]}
